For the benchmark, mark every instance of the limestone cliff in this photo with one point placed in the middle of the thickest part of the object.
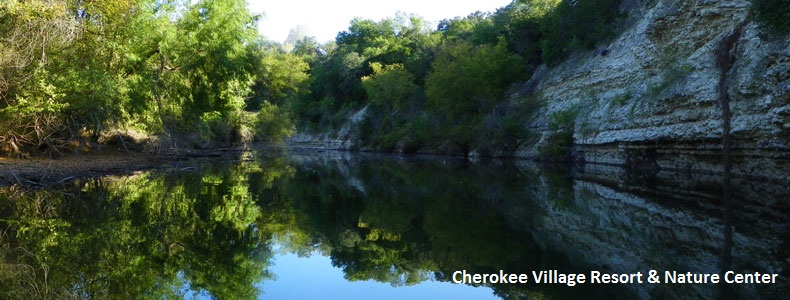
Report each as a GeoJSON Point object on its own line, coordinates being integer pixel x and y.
{"type": "Point", "coordinates": [652, 98]}
{"type": "Point", "coordinates": [661, 95]}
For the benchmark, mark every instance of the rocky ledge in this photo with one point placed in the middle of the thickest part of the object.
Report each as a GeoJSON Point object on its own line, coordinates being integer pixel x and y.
{"type": "Point", "coordinates": [653, 98]}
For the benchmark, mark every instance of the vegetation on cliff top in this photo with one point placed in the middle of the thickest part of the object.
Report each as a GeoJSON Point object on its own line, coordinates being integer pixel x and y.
{"type": "Point", "coordinates": [196, 73]}
{"type": "Point", "coordinates": [772, 15]}
{"type": "Point", "coordinates": [444, 90]}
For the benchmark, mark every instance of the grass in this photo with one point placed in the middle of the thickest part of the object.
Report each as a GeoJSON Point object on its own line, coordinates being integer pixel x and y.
{"type": "Point", "coordinates": [622, 99]}
{"type": "Point", "coordinates": [557, 146]}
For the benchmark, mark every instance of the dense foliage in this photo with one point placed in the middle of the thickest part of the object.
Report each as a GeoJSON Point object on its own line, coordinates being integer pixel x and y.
{"type": "Point", "coordinates": [197, 72]}
{"type": "Point", "coordinates": [212, 233]}
{"type": "Point", "coordinates": [74, 69]}
{"type": "Point", "coordinates": [773, 15]}
{"type": "Point", "coordinates": [444, 90]}
{"type": "Point", "coordinates": [148, 236]}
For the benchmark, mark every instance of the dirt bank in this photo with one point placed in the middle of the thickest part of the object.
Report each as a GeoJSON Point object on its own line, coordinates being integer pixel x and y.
{"type": "Point", "coordinates": [38, 172]}
{"type": "Point", "coordinates": [44, 171]}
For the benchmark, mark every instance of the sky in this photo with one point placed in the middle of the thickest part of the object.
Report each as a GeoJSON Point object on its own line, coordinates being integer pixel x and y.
{"type": "Point", "coordinates": [314, 277]}
{"type": "Point", "coordinates": [325, 18]}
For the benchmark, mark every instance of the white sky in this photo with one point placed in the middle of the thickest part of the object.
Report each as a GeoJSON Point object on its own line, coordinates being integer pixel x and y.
{"type": "Point", "coordinates": [325, 18]}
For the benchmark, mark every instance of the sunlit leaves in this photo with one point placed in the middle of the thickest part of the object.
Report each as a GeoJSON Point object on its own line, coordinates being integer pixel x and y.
{"type": "Point", "coordinates": [153, 65]}
{"type": "Point", "coordinates": [236, 209]}
{"type": "Point", "coordinates": [211, 53]}
{"type": "Point", "coordinates": [477, 28]}
{"type": "Point", "coordinates": [279, 75]}
{"type": "Point", "coordinates": [467, 83]}
{"type": "Point", "coordinates": [389, 86]}
{"type": "Point", "coordinates": [30, 100]}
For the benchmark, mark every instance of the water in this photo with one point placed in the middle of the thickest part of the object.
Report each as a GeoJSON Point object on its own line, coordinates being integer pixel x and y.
{"type": "Point", "coordinates": [384, 227]}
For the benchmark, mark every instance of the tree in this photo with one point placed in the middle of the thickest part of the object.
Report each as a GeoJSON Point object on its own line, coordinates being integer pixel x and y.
{"type": "Point", "coordinates": [576, 25]}
{"type": "Point", "coordinates": [363, 35]}
{"type": "Point", "coordinates": [389, 86]}
{"type": "Point", "coordinates": [30, 101]}
{"type": "Point", "coordinates": [277, 76]}
{"type": "Point", "coordinates": [520, 23]}
{"type": "Point", "coordinates": [477, 28]}
{"type": "Point", "coordinates": [469, 80]}
{"type": "Point", "coordinates": [307, 47]}
{"type": "Point", "coordinates": [212, 54]}
{"type": "Point", "coordinates": [467, 83]}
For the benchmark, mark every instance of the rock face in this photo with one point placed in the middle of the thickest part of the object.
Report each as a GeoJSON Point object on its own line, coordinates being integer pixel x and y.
{"type": "Point", "coordinates": [652, 98]}
{"type": "Point", "coordinates": [343, 139]}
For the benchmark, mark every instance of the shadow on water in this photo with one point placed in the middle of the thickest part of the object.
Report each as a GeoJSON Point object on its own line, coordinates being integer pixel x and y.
{"type": "Point", "coordinates": [397, 220]}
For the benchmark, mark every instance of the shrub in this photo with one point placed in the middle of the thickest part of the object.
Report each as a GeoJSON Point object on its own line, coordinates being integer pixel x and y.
{"type": "Point", "coordinates": [389, 86]}
{"type": "Point", "coordinates": [272, 124]}
{"type": "Point", "coordinates": [503, 131]}
{"type": "Point", "coordinates": [772, 15]}
{"type": "Point", "coordinates": [574, 25]}
{"type": "Point", "coordinates": [213, 128]}
{"type": "Point", "coordinates": [35, 116]}
{"type": "Point", "coordinates": [557, 146]}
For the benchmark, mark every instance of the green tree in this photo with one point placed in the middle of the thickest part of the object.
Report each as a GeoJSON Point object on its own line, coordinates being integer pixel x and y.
{"type": "Point", "coordinates": [307, 47]}
{"type": "Point", "coordinates": [337, 70]}
{"type": "Point", "coordinates": [574, 25]}
{"type": "Point", "coordinates": [389, 86]}
{"type": "Point", "coordinates": [467, 83]}
{"type": "Point", "coordinates": [365, 35]}
{"type": "Point", "coordinates": [272, 124]}
{"type": "Point", "coordinates": [211, 54]}
{"type": "Point", "coordinates": [477, 28]}
{"type": "Point", "coordinates": [31, 102]}
{"type": "Point", "coordinates": [520, 23]}
{"type": "Point", "coordinates": [277, 77]}
{"type": "Point", "coordinates": [469, 80]}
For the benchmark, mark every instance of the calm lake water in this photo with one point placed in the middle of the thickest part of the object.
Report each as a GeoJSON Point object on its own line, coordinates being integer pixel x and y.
{"type": "Point", "coordinates": [339, 226]}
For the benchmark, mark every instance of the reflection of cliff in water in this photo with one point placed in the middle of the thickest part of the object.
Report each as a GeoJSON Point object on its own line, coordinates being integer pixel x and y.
{"type": "Point", "coordinates": [597, 219]}
{"type": "Point", "coordinates": [393, 220]}
{"type": "Point", "coordinates": [211, 230]}
{"type": "Point", "coordinates": [675, 222]}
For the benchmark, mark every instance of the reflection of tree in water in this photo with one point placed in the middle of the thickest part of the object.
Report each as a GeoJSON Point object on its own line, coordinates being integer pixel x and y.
{"type": "Point", "coordinates": [406, 222]}
{"type": "Point", "coordinates": [166, 235]}
{"type": "Point", "coordinates": [145, 236]}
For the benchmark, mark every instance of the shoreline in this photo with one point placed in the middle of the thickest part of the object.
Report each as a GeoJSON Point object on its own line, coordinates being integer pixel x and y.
{"type": "Point", "coordinates": [41, 172]}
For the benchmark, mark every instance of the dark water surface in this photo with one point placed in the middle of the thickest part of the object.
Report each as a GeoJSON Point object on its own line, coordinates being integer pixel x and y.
{"type": "Point", "coordinates": [303, 226]}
